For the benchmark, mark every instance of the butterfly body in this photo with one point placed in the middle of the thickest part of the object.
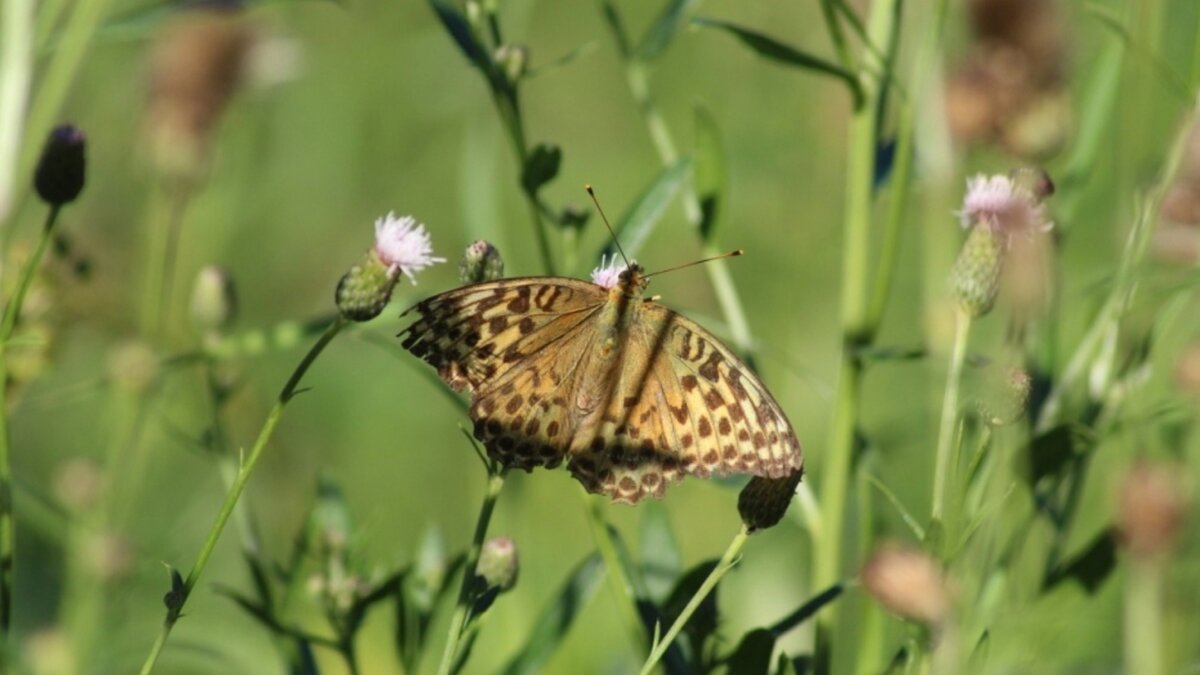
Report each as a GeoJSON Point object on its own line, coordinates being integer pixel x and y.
{"type": "Point", "coordinates": [630, 395]}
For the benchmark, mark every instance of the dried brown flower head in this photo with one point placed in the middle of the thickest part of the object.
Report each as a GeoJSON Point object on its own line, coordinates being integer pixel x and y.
{"type": "Point", "coordinates": [908, 582]}
{"type": "Point", "coordinates": [196, 64]}
{"type": "Point", "coordinates": [1152, 507]}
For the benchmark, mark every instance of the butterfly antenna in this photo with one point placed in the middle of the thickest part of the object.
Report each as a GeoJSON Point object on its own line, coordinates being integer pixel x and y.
{"type": "Point", "coordinates": [592, 194]}
{"type": "Point", "coordinates": [732, 254]}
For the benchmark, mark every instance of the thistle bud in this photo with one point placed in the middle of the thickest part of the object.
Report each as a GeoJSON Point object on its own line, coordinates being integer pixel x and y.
{"type": "Point", "coordinates": [365, 290]}
{"type": "Point", "coordinates": [763, 501]}
{"type": "Point", "coordinates": [513, 60]}
{"type": "Point", "coordinates": [976, 273]}
{"type": "Point", "coordinates": [1152, 509]}
{"type": "Point", "coordinates": [480, 262]}
{"type": "Point", "coordinates": [59, 176]}
{"type": "Point", "coordinates": [214, 299]}
{"type": "Point", "coordinates": [498, 563]}
{"type": "Point", "coordinates": [133, 367]}
{"type": "Point", "coordinates": [79, 484]}
{"type": "Point", "coordinates": [909, 583]}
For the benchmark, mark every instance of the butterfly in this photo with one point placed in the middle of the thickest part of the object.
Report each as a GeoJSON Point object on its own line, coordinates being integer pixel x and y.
{"type": "Point", "coordinates": [630, 395]}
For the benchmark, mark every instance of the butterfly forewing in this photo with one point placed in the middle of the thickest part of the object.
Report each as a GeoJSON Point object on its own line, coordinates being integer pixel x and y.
{"type": "Point", "coordinates": [475, 334]}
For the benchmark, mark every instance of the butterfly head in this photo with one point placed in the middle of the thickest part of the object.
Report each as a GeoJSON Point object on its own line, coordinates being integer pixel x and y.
{"type": "Point", "coordinates": [632, 280]}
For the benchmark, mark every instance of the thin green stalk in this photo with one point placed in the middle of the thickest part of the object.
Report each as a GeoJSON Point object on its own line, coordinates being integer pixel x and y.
{"type": "Point", "coordinates": [231, 498]}
{"type": "Point", "coordinates": [834, 28]}
{"type": "Point", "coordinates": [889, 249]}
{"type": "Point", "coordinates": [835, 474]}
{"type": "Point", "coordinates": [462, 608]}
{"type": "Point", "coordinates": [16, 73]}
{"type": "Point", "coordinates": [164, 222]}
{"type": "Point", "coordinates": [947, 429]}
{"type": "Point", "coordinates": [717, 270]}
{"type": "Point", "coordinates": [622, 586]}
{"type": "Point", "coordinates": [1143, 618]}
{"type": "Point", "coordinates": [508, 107]}
{"type": "Point", "coordinates": [7, 527]}
{"type": "Point", "coordinates": [728, 560]}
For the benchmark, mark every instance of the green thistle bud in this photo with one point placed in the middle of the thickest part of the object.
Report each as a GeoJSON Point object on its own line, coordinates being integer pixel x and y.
{"type": "Point", "coordinates": [976, 273]}
{"type": "Point", "coordinates": [365, 290]}
{"type": "Point", "coordinates": [59, 176]}
{"type": "Point", "coordinates": [480, 262]}
{"type": "Point", "coordinates": [214, 299]}
{"type": "Point", "coordinates": [133, 367]}
{"type": "Point", "coordinates": [498, 563]}
{"type": "Point", "coordinates": [763, 501]}
{"type": "Point", "coordinates": [513, 60]}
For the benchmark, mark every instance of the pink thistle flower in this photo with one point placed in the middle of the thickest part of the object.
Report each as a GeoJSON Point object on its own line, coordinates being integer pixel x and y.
{"type": "Point", "coordinates": [1001, 204]}
{"type": "Point", "coordinates": [609, 272]}
{"type": "Point", "coordinates": [403, 245]}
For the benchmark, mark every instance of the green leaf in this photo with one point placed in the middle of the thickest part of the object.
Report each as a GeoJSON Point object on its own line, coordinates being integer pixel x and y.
{"type": "Point", "coordinates": [613, 18]}
{"type": "Point", "coordinates": [895, 501]}
{"type": "Point", "coordinates": [1049, 453]}
{"type": "Point", "coordinates": [1091, 566]}
{"type": "Point", "coordinates": [807, 610]}
{"type": "Point", "coordinates": [540, 167]}
{"type": "Point", "coordinates": [658, 37]}
{"type": "Point", "coordinates": [639, 221]}
{"type": "Point", "coordinates": [710, 178]}
{"type": "Point", "coordinates": [753, 654]}
{"type": "Point", "coordinates": [703, 623]}
{"type": "Point", "coordinates": [878, 353]}
{"type": "Point", "coordinates": [785, 54]}
{"type": "Point", "coordinates": [557, 617]}
{"type": "Point", "coordinates": [456, 24]}
{"type": "Point", "coordinates": [661, 560]}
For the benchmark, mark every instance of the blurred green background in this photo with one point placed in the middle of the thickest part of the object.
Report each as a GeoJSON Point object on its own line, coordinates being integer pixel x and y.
{"type": "Point", "coordinates": [384, 113]}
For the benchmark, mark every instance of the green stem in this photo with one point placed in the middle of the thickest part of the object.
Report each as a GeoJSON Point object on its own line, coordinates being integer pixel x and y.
{"type": "Point", "coordinates": [239, 484]}
{"type": "Point", "coordinates": [621, 584]}
{"type": "Point", "coordinates": [728, 560]}
{"type": "Point", "coordinates": [949, 424]}
{"type": "Point", "coordinates": [889, 249]}
{"type": "Point", "coordinates": [9, 323]}
{"type": "Point", "coordinates": [718, 270]}
{"type": "Point", "coordinates": [458, 620]}
{"type": "Point", "coordinates": [510, 115]}
{"type": "Point", "coordinates": [165, 221]}
{"type": "Point", "coordinates": [1143, 618]}
{"type": "Point", "coordinates": [16, 73]}
{"type": "Point", "coordinates": [860, 178]}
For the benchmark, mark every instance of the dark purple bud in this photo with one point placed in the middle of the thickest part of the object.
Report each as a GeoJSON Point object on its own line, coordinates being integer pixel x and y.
{"type": "Point", "coordinates": [59, 175]}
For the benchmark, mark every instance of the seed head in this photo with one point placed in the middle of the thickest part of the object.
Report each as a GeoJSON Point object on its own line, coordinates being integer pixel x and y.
{"type": "Point", "coordinates": [1152, 509]}
{"type": "Point", "coordinates": [907, 582]}
{"type": "Point", "coordinates": [764, 501]}
{"type": "Point", "coordinates": [59, 176]}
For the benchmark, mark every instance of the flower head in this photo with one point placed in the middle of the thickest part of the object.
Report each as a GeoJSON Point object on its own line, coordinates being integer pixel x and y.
{"type": "Point", "coordinates": [907, 582]}
{"type": "Point", "coordinates": [609, 272]}
{"type": "Point", "coordinates": [403, 245]}
{"type": "Point", "coordinates": [1004, 205]}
